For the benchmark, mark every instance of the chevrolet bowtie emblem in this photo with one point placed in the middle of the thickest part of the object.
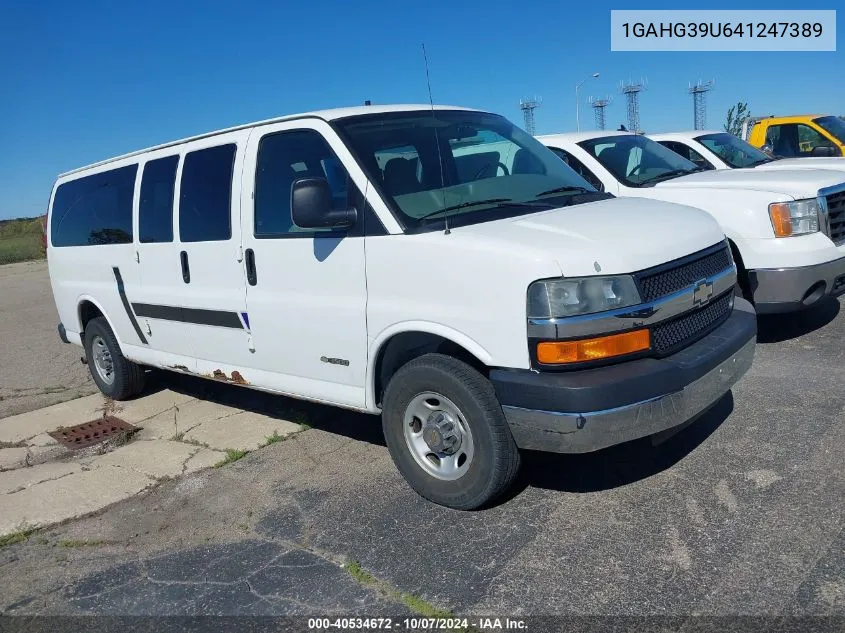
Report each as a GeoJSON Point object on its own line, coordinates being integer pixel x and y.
{"type": "Point", "coordinates": [702, 293]}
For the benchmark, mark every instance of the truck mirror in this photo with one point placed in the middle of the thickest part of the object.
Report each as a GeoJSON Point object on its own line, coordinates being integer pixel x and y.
{"type": "Point", "coordinates": [311, 206]}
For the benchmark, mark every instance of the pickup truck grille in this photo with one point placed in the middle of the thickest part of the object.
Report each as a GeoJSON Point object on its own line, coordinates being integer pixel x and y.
{"type": "Point", "coordinates": [836, 216]}
{"type": "Point", "coordinates": [664, 280]}
{"type": "Point", "coordinates": [670, 336]}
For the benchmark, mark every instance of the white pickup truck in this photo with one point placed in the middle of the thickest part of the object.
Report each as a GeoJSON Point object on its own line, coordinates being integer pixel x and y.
{"type": "Point", "coordinates": [786, 227]}
{"type": "Point", "coordinates": [720, 150]}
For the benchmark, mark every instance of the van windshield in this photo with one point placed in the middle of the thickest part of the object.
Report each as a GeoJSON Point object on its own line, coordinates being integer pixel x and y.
{"type": "Point", "coordinates": [466, 166]}
{"type": "Point", "coordinates": [734, 151]}
{"type": "Point", "coordinates": [637, 161]}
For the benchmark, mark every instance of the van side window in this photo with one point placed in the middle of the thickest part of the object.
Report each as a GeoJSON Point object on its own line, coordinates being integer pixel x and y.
{"type": "Point", "coordinates": [205, 200]}
{"type": "Point", "coordinates": [94, 210]}
{"type": "Point", "coordinates": [155, 211]}
{"type": "Point", "coordinates": [284, 158]}
{"type": "Point", "coordinates": [579, 168]}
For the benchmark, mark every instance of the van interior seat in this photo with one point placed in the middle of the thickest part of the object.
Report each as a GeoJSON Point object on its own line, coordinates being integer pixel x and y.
{"type": "Point", "coordinates": [524, 162]}
{"type": "Point", "coordinates": [615, 158]}
{"type": "Point", "coordinates": [400, 177]}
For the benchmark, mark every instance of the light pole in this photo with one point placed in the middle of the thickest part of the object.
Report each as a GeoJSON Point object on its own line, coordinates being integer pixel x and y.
{"type": "Point", "coordinates": [578, 102]}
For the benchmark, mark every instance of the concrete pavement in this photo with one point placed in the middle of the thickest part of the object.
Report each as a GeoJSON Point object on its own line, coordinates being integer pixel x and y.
{"type": "Point", "coordinates": [43, 483]}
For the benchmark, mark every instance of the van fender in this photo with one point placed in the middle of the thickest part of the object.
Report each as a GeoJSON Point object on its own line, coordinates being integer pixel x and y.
{"type": "Point", "coordinates": [84, 297]}
{"type": "Point", "coordinates": [428, 327]}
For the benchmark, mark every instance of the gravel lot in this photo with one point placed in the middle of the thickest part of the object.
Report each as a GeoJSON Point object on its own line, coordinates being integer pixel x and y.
{"type": "Point", "coordinates": [36, 368]}
{"type": "Point", "coordinates": [741, 513]}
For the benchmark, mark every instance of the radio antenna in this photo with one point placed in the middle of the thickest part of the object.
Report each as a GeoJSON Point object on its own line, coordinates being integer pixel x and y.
{"type": "Point", "coordinates": [437, 141]}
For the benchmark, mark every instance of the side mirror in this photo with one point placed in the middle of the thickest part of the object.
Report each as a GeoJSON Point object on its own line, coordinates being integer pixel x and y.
{"type": "Point", "coordinates": [824, 150]}
{"type": "Point", "coordinates": [311, 206]}
{"type": "Point", "coordinates": [768, 149]}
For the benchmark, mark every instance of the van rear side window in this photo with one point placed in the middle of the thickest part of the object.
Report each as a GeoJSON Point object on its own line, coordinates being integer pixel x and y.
{"type": "Point", "coordinates": [94, 210]}
{"type": "Point", "coordinates": [205, 200]}
{"type": "Point", "coordinates": [155, 211]}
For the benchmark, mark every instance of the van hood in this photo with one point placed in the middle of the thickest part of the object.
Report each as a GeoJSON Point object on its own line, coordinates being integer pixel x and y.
{"type": "Point", "coordinates": [617, 236]}
{"type": "Point", "coordinates": [829, 162]}
{"type": "Point", "coordinates": [797, 183]}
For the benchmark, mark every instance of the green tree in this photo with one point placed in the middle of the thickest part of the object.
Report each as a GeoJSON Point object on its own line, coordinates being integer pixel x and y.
{"type": "Point", "coordinates": [736, 115]}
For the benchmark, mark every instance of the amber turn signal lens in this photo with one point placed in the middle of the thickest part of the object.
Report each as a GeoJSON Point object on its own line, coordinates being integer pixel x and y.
{"type": "Point", "coordinates": [561, 352]}
{"type": "Point", "coordinates": [781, 220]}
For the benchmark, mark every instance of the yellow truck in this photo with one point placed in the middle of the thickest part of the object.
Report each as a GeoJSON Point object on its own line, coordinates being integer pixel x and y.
{"type": "Point", "coordinates": [798, 135]}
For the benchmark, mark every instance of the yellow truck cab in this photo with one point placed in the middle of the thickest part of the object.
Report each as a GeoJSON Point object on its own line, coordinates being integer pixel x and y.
{"type": "Point", "coordinates": [798, 135]}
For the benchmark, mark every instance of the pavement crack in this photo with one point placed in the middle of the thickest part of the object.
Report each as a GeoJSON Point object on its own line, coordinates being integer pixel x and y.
{"type": "Point", "coordinates": [41, 481]}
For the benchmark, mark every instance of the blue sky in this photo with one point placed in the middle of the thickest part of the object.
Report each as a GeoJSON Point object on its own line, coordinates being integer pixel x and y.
{"type": "Point", "coordinates": [87, 80]}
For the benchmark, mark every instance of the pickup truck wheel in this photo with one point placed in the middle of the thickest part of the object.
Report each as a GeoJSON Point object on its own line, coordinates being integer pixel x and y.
{"type": "Point", "coordinates": [447, 434]}
{"type": "Point", "coordinates": [114, 375]}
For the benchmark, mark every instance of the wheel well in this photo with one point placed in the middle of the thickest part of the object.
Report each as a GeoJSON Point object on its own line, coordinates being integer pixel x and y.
{"type": "Point", "coordinates": [741, 271]}
{"type": "Point", "coordinates": [88, 311]}
{"type": "Point", "coordinates": [406, 346]}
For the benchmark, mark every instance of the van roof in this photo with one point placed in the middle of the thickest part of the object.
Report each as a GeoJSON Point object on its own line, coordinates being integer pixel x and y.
{"type": "Point", "coordinates": [326, 115]}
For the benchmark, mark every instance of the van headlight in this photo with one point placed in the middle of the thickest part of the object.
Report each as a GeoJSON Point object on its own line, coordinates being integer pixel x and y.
{"type": "Point", "coordinates": [795, 218]}
{"type": "Point", "coordinates": [554, 298]}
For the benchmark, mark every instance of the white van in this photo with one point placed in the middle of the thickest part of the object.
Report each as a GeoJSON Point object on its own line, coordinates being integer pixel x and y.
{"type": "Point", "coordinates": [786, 227]}
{"type": "Point", "coordinates": [366, 258]}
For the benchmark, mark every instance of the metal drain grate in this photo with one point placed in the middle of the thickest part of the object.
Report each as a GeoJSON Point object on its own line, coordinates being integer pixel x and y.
{"type": "Point", "coordinates": [93, 432]}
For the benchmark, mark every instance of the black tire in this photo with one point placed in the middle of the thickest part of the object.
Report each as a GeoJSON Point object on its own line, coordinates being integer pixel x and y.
{"type": "Point", "coordinates": [128, 377]}
{"type": "Point", "coordinates": [495, 462]}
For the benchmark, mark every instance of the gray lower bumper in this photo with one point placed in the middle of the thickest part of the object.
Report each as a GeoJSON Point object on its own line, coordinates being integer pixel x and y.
{"type": "Point", "coordinates": [789, 289]}
{"type": "Point", "coordinates": [584, 432]}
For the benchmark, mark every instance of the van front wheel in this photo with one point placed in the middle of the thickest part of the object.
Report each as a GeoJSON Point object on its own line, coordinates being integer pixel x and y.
{"type": "Point", "coordinates": [114, 375]}
{"type": "Point", "coordinates": [447, 434]}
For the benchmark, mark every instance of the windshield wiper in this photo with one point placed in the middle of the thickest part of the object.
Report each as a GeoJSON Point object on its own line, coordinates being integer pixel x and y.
{"type": "Point", "coordinates": [497, 202]}
{"type": "Point", "coordinates": [671, 174]}
{"type": "Point", "coordinates": [564, 189]}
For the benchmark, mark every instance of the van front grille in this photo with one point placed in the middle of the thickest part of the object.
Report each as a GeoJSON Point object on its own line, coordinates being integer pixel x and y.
{"type": "Point", "coordinates": [836, 216]}
{"type": "Point", "coordinates": [670, 336]}
{"type": "Point", "coordinates": [664, 280]}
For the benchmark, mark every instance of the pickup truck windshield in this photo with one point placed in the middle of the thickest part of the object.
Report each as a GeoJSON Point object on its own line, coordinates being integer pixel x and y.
{"type": "Point", "coordinates": [734, 151]}
{"type": "Point", "coordinates": [637, 161]}
{"type": "Point", "coordinates": [833, 126]}
{"type": "Point", "coordinates": [466, 166]}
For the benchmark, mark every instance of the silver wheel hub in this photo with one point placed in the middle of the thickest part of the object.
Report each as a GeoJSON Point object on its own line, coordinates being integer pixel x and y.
{"type": "Point", "coordinates": [441, 433]}
{"type": "Point", "coordinates": [438, 436]}
{"type": "Point", "coordinates": [103, 363]}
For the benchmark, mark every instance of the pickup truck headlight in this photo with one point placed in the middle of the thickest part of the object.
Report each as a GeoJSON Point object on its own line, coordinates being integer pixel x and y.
{"type": "Point", "coordinates": [554, 298]}
{"type": "Point", "coordinates": [795, 218]}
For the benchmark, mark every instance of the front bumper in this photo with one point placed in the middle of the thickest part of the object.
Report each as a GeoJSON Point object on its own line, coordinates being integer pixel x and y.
{"type": "Point", "coordinates": [582, 411]}
{"type": "Point", "coordinates": [790, 289]}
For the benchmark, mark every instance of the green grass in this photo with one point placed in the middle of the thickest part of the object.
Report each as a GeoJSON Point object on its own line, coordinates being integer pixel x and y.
{"type": "Point", "coordinates": [20, 536]}
{"type": "Point", "coordinates": [231, 456]}
{"type": "Point", "coordinates": [414, 603]}
{"type": "Point", "coordinates": [20, 248]}
{"type": "Point", "coordinates": [21, 240]}
{"type": "Point", "coordinates": [80, 543]}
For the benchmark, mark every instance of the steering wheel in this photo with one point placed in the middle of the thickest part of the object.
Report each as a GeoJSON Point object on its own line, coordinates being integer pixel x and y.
{"type": "Point", "coordinates": [486, 166]}
{"type": "Point", "coordinates": [635, 170]}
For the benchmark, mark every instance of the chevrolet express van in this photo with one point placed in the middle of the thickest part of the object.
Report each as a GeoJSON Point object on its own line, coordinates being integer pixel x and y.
{"type": "Point", "coordinates": [786, 227]}
{"type": "Point", "coordinates": [436, 266]}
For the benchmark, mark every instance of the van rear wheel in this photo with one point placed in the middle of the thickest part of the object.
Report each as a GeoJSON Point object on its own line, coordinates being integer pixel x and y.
{"type": "Point", "coordinates": [447, 434]}
{"type": "Point", "coordinates": [114, 375]}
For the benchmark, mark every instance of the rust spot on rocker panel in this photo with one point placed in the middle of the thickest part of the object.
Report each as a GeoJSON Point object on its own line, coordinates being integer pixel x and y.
{"type": "Point", "coordinates": [238, 379]}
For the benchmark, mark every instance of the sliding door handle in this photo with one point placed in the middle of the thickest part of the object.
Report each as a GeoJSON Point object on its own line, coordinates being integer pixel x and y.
{"type": "Point", "coordinates": [186, 269]}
